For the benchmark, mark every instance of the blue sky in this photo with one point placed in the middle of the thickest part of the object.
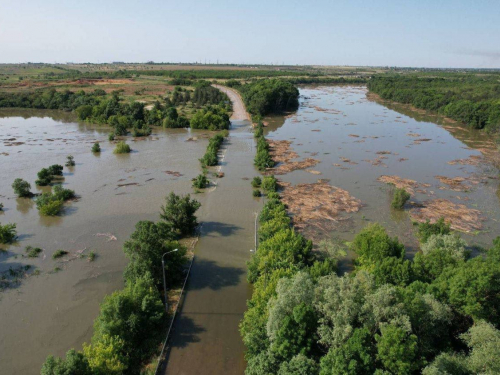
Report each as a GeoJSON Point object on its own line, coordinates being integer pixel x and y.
{"type": "Point", "coordinates": [438, 33]}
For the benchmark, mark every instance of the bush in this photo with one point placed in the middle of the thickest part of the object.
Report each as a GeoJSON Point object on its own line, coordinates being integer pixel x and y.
{"type": "Point", "coordinates": [71, 161]}
{"type": "Point", "coordinates": [32, 252]}
{"type": "Point", "coordinates": [55, 170]}
{"type": "Point", "coordinates": [51, 204]}
{"type": "Point", "coordinates": [122, 148]}
{"type": "Point", "coordinates": [59, 254]}
{"type": "Point", "coordinates": [210, 158]}
{"type": "Point", "coordinates": [21, 188]}
{"type": "Point", "coordinates": [7, 233]}
{"type": "Point", "coordinates": [96, 147]}
{"type": "Point", "coordinates": [111, 137]}
{"type": "Point", "coordinates": [200, 182]}
{"type": "Point", "coordinates": [1, 206]}
{"type": "Point", "coordinates": [256, 193]}
{"type": "Point", "coordinates": [269, 184]}
{"type": "Point", "coordinates": [44, 177]}
{"type": "Point", "coordinates": [270, 96]}
{"type": "Point", "coordinates": [427, 229]}
{"type": "Point", "coordinates": [179, 213]}
{"type": "Point", "coordinates": [91, 257]}
{"type": "Point", "coordinates": [256, 182]}
{"type": "Point", "coordinates": [399, 199]}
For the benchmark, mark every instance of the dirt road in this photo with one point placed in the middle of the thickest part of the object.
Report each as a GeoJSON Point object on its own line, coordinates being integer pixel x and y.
{"type": "Point", "coordinates": [239, 110]}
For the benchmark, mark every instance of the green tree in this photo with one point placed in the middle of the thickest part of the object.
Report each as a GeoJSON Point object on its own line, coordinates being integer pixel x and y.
{"type": "Point", "coordinates": [373, 244]}
{"type": "Point", "coordinates": [401, 196]}
{"type": "Point", "coordinates": [75, 363]}
{"type": "Point", "coordinates": [21, 188]}
{"type": "Point", "coordinates": [105, 357]}
{"type": "Point", "coordinates": [179, 213]}
{"type": "Point", "coordinates": [7, 233]}
{"type": "Point", "coordinates": [397, 350]}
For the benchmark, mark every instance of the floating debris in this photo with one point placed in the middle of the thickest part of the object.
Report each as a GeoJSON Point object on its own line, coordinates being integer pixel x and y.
{"type": "Point", "coordinates": [459, 216]}
{"type": "Point", "coordinates": [108, 235]}
{"type": "Point", "coordinates": [403, 183]}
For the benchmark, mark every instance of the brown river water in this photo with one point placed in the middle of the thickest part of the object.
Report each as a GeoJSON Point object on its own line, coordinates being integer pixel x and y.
{"type": "Point", "coordinates": [53, 312]}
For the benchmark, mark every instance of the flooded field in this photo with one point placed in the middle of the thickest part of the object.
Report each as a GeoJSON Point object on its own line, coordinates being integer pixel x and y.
{"type": "Point", "coordinates": [341, 138]}
{"type": "Point", "coordinates": [339, 154]}
{"type": "Point", "coordinates": [52, 312]}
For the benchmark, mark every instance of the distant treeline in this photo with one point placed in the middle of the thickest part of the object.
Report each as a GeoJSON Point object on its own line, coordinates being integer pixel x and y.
{"type": "Point", "coordinates": [471, 99]}
{"type": "Point", "coordinates": [326, 80]}
{"type": "Point", "coordinates": [185, 74]}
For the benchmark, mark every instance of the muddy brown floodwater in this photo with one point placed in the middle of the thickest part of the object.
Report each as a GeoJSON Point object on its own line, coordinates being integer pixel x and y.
{"type": "Point", "coordinates": [354, 142]}
{"type": "Point", "coordinates": [54, 311]}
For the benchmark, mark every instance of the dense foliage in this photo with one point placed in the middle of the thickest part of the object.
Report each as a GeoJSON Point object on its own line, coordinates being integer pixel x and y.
{"type": "Point", "coordinates": [128, 329]}
{"type": "Point", "coordinates": [262, 158]}
{"type": "Point", "coordinates": [121, 148]}
{"type": "Point", "coordinates": [211, 158]}
{"type": "Point", "coordinates": [51, 203]}
{"type": "Point", "coordinates": [471, 99]}
{"type": "Point", "coordinates": [437, 314]}
{"type": "Point", "coordinates": [211, 118]}
{"type": "Point", "coordinates": [270, 96]}
{"type": "Point", "coordinates": [399, 198]}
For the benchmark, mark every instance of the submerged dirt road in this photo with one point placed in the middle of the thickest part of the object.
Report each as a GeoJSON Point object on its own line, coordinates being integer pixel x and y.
{"type": "Point", "coordinates": [205, 338]}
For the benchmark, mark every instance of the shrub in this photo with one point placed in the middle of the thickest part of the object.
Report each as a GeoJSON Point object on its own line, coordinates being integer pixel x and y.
{"type": "Point", "coordinates": [1, 206]}
{"type": "Point", "coordinates": [122, 148]}
{"type": "Point", "coordinates": [32, 252]}
{"type": "Point", "coordinates": [84, 112]}
{"type": "Point", "coordinates": [51, 208]}
{"type": "Point", "coordinates": [21, 187]}
{"type": "Point", "coordinates": [7, 233]}
{"type": "Point", "coordinates": [44, 177]}
{"type": "Point", "coordinates": [71, 161]}
{"type": "Point", "coordinates": [399, 199]}
{"type": "Point", "coordinates": [427, 229]}
{"type": "Point", "coordinates": [256, 193]}
{"type": "Point", "coordinates": [256, 182]}
{"type": "Point", "coordinates": [51, 204]}
{"type": "Point", "coordinates": [269, 184]}
{"type": "Point", "coordinates": [91, 257]}
{"type": "Point", "coordinates": [111, 137]}
{"type": "Point", "coordinates": [200, 182]}
{"type": "Point", "coordinates": [55, 170]}
{"type": "Point", "coordinates": [96, 147]}
{"type": "Point", "coordinates": [179, 213]}
{"type": "Point", "coordinates": [59, 254]}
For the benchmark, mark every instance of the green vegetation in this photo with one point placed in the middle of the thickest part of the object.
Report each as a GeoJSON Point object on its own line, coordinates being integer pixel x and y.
{"type": "Point", "coordinates": [427, 229]}
{"type": "Point", "coordinates": [469, 98]}
{"type": "Point", "coordinates": [51, 203]}
{"type": "Point", "coordinates": [262, 158]}
{"type": "Point", "coordinates": [32, 252]}
{"type": "Point", "coordinates": [179, 213]}
{"type": "Point", "coordinates": [256, 193]}
{"type": "Point", "coordinates": [211, 118]}
{"type": "Point", "coordinates": [122, 148]}
{"type": "Point", "coordinates": [270, 96]}
{"type": "Point", "coordinates": [131, 322]}
{"type": "Point", "coordinates": [211, 158]}
{"type": "Point", "coordinates": [437, 314]}
{"type": "Point", "coordinates": [21, 188]}
{"type": "Point", "coordinates": [399, 199]}
{"type": "Point", "coordinates": [1, 206]}
{"type": "Point", "coordinates": [46, 175]}
{"type": "Point", "coordinates": [7, 233]}
{"type": "Point", "coordinates": [92, 255]}
{"type": "Point", "coordinates": [111, 137]}
{"type": "Point", "coordinates": [59, 254]}
{"type": "Point", "coordinates": [269, 184]}
{"type": "Point", "coordinates": [96, 147]}
{"type": "Point", "coordinates": [256, 182]}
{"type": "Point", "coordinates": [71, 161]}
{"type": "Point", "coordinates": [201, 181]}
